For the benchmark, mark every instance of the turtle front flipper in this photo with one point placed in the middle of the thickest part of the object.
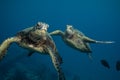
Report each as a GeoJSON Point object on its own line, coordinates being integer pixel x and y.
{"type": "Point", "coordinates": [56, 64]}
{"type": "Point", "coordinates": [5, 45]}
{"type": "Point", "coordinates": [105, 42]}
{"type": "Point", "coordinates": [89, 40]}
{"type": "Point", "coordinates": [57, 32]}
{"type": "Point", "coordinates": [25, 31]}
{"type": "Point", "coordinates": [56, 58]}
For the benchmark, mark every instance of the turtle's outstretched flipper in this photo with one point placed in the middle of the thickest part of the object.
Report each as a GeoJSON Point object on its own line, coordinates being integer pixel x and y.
{"type": "Point", "coordinates": [105, 42]}
{"type": "Point", "coordinates": [56, 64]}
{"type": "Point", "coordinates": [56, 32]}
{"type": "Point", "coordinates": [5, 45]}
{"type": "Point", "coordinates": [89, 40]}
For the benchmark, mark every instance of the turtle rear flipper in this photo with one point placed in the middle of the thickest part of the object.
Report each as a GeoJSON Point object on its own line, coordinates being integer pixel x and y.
{"type": "Point", "coordinates": [5, 45]}
{"type": "Point", "coordinates": [56, 64]}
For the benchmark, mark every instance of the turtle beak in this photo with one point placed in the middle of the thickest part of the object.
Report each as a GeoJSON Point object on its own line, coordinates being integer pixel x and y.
{"type": "Point", "coordinates": [45, 27]}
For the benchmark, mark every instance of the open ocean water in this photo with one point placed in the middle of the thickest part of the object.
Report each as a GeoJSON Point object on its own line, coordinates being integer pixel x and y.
{"type": "Point", "coordinates": [98, 19]}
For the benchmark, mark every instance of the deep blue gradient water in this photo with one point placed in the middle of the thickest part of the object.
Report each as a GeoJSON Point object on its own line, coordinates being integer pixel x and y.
{"type": "Point", "coordinates": [98, 19]}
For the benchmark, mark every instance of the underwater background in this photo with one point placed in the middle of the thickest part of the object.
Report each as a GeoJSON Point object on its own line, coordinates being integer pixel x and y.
{"type": "Point", "coordinates": [98, 19]}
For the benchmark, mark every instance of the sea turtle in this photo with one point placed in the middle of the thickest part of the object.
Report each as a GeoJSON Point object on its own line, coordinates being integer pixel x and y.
{"type": "Point", "coordinates": [76, 39]}
{"type": "Point", "coordinates": [36, 39]}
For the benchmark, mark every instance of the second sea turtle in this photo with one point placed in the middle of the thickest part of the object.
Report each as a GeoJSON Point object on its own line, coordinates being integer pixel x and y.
{"type": "Point", "coordinates": [77, 40]}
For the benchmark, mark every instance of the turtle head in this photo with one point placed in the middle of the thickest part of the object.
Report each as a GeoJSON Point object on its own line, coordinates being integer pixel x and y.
{"type": "Point", "coordinates": [69, 29]}
{"type": "Point", "coordinates": [41, 26]}
{"type": "Point", "coordinates": [38, 32]}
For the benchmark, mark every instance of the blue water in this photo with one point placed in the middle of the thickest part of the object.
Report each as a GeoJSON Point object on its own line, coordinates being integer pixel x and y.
{"type": "Point", "coordinates": [98, 19]}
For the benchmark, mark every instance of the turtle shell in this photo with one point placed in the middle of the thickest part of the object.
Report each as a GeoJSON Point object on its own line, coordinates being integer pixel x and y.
{"type": "Point", "coordinates": [75, 39]}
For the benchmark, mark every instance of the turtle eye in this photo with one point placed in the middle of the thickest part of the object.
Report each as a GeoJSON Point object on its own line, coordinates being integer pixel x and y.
{"type": "Point", "coordinates": [70, 26]}
{"type": "Point", "coordinates": [39, 25]}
